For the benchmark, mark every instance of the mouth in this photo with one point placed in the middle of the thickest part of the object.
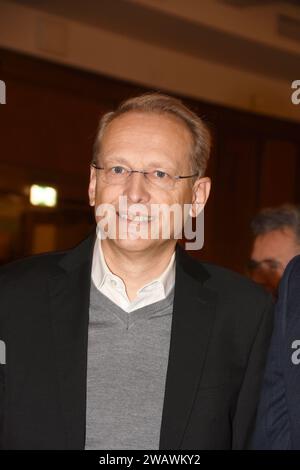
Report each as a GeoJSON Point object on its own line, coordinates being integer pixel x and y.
{"type": "Point", "coordinates": [138, 219]}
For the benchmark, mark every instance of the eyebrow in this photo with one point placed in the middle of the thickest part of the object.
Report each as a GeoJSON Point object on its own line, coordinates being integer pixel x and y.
{"type": "Point", "coordinates": [154, 164]}
{"type": "Point", "coordinates": [115, 158]}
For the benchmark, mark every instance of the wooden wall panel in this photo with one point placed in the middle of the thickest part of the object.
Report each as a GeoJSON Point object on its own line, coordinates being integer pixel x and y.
{"type": "Point", "coordinates": [278, 172]}
{"type": "Point", "coordinates": [234, 190]}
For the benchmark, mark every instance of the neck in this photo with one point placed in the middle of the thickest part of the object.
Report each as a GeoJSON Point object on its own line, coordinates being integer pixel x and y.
{"type": "Point", "coordinates": [137, 268]}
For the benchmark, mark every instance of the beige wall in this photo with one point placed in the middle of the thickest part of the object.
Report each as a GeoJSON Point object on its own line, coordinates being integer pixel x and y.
{"type": "Point", "coordinates": [70, 42]}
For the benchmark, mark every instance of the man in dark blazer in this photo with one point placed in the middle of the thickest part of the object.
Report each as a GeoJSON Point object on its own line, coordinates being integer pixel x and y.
{"type": "Point", "coordinates": [129, 342]}
{"type": "Point", "coordinates": [278, 420]}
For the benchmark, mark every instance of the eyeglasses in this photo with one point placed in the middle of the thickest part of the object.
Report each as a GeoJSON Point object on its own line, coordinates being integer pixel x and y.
{"type": "Point", "coordinates": [119, 174]}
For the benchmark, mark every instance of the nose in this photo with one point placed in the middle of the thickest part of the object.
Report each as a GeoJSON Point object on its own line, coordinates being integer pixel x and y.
{"type": "Point", "coordinates": [136, 188]}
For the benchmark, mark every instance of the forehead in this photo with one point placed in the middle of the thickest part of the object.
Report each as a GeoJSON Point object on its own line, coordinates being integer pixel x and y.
{"type": "Point", "coordinates": [274, 243]}
{"type": "Point", "coordinates": [140, 132]}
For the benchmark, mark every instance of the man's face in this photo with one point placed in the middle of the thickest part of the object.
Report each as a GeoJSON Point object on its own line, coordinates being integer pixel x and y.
{"type": "Point", "coordinates": [144, 141]}
{"type": "Point", "coordinates": [271, 253]}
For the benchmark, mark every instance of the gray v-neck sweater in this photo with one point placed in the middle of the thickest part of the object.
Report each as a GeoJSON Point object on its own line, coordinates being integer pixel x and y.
{"type": "Point", "coordinates": [127, 365]}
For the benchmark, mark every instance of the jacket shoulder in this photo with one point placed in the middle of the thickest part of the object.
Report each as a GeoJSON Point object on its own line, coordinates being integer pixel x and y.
{"type": "Point", "coordinates": [35, 269]}
{"type": "Point", "coordinates": [292, 271]}
{"type": "Point", "coordinates": [289, 292]}
{"type": "Point", "coordinates": [231, 282]}
{"type": "Point", "coordinates": [31, 268]}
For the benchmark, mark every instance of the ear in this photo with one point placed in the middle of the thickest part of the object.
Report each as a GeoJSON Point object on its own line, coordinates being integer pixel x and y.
{"type": "Point", "coordinates": [201, 190]}
{"type": "Point", "coordinates": [92, 187]}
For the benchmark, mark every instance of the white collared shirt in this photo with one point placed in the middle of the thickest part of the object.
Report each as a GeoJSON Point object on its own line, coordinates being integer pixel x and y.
{"type": "Point", "coordinates": [114, 288]}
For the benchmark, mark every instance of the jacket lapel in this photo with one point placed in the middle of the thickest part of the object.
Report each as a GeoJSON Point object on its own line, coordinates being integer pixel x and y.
{"type": "Point", "coordinates": [69, 297]}
{"type": "Point", "coordinates": [193, 315]}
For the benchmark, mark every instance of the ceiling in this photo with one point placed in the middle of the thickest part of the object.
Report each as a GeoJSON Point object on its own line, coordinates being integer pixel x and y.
{"type": "Point", "coordinates": [249, 3]}
{"type": "Point", "coordinates": [177, 33]}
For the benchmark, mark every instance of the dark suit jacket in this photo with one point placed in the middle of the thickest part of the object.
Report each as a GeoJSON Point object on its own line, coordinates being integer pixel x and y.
{"type": "Point", "coordinates": [220, 333]}
{"type": "Point", "coordinates": [278, 420]}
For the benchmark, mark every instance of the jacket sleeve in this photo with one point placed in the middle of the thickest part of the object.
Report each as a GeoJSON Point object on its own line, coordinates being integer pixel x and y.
{"type": "Point", "coordinates": [245, 413]}
{"type": "Point", "coordinates": [272, 429]}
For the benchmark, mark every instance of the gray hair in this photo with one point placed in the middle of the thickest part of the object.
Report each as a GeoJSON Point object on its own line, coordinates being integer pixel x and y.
{"type": "Point", "coordinates": [164, 104]}
{"type": "Point", "coordinates": [277, 218]}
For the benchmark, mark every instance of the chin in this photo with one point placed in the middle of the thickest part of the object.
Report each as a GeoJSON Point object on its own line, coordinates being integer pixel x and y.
{"type": "Point", "coordinates": [134, 245]}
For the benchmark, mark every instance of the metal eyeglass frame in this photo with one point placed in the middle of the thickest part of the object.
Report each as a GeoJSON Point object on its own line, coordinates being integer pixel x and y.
{"type": "Point", "coordinates": [143, 172]}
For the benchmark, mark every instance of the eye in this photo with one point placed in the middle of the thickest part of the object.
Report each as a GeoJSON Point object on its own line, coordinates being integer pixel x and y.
{"type": "Point", "coordinates": [118, 170]}
{"type": "Point", "coordinates": [273, 265]}
{"type": "Point", "coordinates": [160, 174]}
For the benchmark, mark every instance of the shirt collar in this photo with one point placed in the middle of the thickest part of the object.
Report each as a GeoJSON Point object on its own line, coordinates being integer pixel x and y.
{"type": "Point", "coordinates": [101, 273]}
